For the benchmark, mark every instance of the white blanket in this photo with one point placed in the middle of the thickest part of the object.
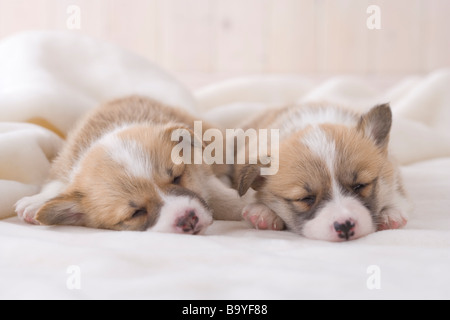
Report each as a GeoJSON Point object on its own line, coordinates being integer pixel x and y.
{"type": "Point", "coordinates": [51, 79]}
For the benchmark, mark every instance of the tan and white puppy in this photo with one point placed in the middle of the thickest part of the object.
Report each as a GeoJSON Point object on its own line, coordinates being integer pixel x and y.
{"type": "Point", "coordinates": [116, 172]}
{"type": "Point", "coordinates": [336, 178]}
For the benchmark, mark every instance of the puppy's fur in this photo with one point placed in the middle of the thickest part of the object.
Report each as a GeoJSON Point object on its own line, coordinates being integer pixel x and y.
{"type": "Point", "coordinates": [336, 179]}
{"type": "Point", "coordinates": [116, 172]}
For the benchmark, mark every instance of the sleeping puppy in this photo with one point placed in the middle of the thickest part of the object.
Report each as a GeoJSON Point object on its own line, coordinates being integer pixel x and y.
{"type": "Point", "coordinates": [117, 172]}
{"type": "Point", "coordinates": [336, 179]}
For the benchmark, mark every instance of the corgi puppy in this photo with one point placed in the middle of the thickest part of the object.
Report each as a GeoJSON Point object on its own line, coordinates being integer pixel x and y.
{"type": "Point", "coordinates": [116, 172]}
{"type": "Point", "coordinates": [336, 179]}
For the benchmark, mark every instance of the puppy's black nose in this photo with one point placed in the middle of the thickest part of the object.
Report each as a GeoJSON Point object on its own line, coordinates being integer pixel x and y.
{"type": "Point", "coordinates": [345, 230]}
{"type": "Point", "coordinates": [188, 222]}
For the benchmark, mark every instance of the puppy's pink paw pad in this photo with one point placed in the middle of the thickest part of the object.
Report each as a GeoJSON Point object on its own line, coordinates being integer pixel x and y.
{"type": "Point", "coordinates": [262, 217]}
{"type": "Point", "coordinates": [392, 224]}
{"type": "Point", "coordinates": [27, 208]}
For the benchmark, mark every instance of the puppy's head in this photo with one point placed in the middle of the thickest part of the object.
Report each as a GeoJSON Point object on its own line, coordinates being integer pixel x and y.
{"type": "Point", "coordinates": [329, 178]}
{"type": "Point", "coordinates": [128, 181]}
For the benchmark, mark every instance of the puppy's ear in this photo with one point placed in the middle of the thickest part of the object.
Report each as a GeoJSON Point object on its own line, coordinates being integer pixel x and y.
{"type": "Point", "coordinates": [62, 210]}
{"type": "Point", "coordinates": [176, 132]}
{"type": "Point", "coordinates": [186, 144]}
{"type": "Point", "coordinates": [376, 124]}
{"type": "Point", "coordinates": [249, 176]}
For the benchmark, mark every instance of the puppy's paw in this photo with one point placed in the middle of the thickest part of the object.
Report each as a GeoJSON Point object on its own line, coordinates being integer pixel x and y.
{"type": "Point", "coordinates": [262, 217]}
{"type": "Point", "coordinates": [27, 208]}
{"type": "Point", "coordinates": [392, 218]}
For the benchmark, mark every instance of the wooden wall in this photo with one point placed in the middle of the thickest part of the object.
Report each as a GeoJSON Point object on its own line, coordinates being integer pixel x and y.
{"type": "Point", "coordinates": [227, 37]}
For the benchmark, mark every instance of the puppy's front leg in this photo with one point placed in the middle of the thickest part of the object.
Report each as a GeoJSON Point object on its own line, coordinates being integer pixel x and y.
{"type": "Point", "coordinates": [262, 217]}
{"type": "Point", "coordinates": [224, 201]}
{"type": "Point", "coordinates": [394, 214]}
{"type": "Point", "coordinates": [27, 207]}
{"type": "Point", "coordinates": [392, 218]}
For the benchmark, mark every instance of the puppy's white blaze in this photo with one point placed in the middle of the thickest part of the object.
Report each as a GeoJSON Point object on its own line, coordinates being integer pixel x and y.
{"type": "Point", "coordinates": [325, 149]}
{"type": "Point", "coordinates": [320, 145]}
{"type": "Point", "coordinates": [175, 207]}
{"type": "Point", "coordinates": [346, 208]}
{"type": "Point", "coordinates": [108, 140]}
{"type": "Point", "coordinates": [130, 154]}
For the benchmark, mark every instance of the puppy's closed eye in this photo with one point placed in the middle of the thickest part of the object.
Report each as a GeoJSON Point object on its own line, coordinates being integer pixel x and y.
{"type": "Point", "coordinates": [308, 200]}
{"type": "Point", "coordinates": [357, 188]}
{"type": "Point", "coordinates": [176, 180]}
{"type": "Point", "coordinates": [139, 213]}
{"type": "Point", "coordinates": [175, 174]}
{"type": "Point", "coordinates": [362, 189]}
